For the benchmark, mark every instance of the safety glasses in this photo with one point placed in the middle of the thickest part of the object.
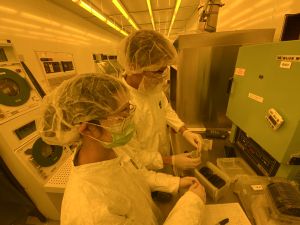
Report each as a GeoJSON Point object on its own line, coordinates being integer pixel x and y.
{"type": "Point", "coordinates": [120, 116]}
{"type": "Point", "coordinates": [159, 74]}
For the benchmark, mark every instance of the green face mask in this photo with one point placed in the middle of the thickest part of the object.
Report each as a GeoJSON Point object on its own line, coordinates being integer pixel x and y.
{"type": "Point", "coordinates": [121, 133]}
{"type": "Point", "coordinates": [120, 138]}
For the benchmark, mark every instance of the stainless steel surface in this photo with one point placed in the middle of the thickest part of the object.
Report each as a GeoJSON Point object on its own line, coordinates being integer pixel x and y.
{"type": "Point", "coordinates": [206, 62]}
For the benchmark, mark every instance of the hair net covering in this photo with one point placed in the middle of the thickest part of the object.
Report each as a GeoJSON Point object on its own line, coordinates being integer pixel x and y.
{"type": "Point", "coordinates": [83, 98]}
{"type": "Point", "coordinates": [146, 50]}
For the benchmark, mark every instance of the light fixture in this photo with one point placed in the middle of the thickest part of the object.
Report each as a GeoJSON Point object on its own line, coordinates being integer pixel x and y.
{"type": "Point", "coordinates": [174, 15]}
{"type": "Point", "coordinates": [22, 24]}
{"type": "Point", "coordinates": [151, 14]}
{"type": "Point", "coordinates": [125, 14]}
{"type": "Point", "coordinates": [11, 28]}
{"type": "Point", "coordinates": [101, 17]}
{"type": "Point", "coordinates": [39, 19]}
{"type": "Point", "coordinates": [73, 29]}
{"type": "Point", "coordinates": [8, 10]}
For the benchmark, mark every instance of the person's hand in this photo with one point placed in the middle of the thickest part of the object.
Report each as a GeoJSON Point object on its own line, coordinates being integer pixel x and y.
{"type": "Point", "coordinates": [186, 182]}
{"type": "Point", "coordinates": [193, 139]}
{"type": "Point", "coordinates": [199, 190]}
{"type": "Point", "coordinates": [184, 161]}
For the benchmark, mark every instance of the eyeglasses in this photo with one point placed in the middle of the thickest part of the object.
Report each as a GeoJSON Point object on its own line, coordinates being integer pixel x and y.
{"type": "Point", "coordinates": [123, 113]}
{"type": "Point", "coordinates": [125, 110]}
{"type": "Point", "coordinates": [160, 71]}
{"type": "Point", "coordinates": [158, 74]}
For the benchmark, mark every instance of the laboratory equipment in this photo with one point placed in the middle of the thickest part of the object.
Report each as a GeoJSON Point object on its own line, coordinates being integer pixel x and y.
{"type": "Point", "coordinates": [274, 119]}
{"type": "Point", "coordinates": [234, 167]}
{"type": "Point", "coordinates": [42, 170]}
{"type": "Point", "coordinates": [107, 64]}
{"type": "Point", "coordinates": [209, 14]}
{"type": "Point", "coordinates": [284, 199]}
{"type": "Point", "coordinates": [57, 66]}
{"type": "Point", "coordinates": [206, 63]}
{"type": "Point", "coordinates": [17, 94]}
{"type": "Point", "coordinates": [215, 181]}
{"type": "Point", "coordinates": [262, 198]}
{"type": "Point", "coordinates": [265, 85]}
{"type": "Point", "coordinates": [213, 133]}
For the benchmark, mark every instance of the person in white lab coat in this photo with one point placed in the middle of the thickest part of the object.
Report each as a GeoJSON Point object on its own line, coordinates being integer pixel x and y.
{"type": "Point", "coordinates": [106, 186]}
{"type": "Point", "coordinates": [145, 55]}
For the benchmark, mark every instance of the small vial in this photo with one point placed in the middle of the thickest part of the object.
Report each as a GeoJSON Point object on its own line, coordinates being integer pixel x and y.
{"type": "Point", "coordinates": [207, 144]}
{"type": "Point", "coordinates": [195, 154]}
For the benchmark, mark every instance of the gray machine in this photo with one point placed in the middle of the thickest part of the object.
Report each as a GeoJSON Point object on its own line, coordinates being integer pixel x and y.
{"type": "Point", "coordinates": [199, 86]}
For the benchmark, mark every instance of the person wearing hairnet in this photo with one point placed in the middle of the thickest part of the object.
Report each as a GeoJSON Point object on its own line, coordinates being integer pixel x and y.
{"type": "Point", "coordinates": [106, 186]}
{"type": "Point", "coordinates": [145, 55]}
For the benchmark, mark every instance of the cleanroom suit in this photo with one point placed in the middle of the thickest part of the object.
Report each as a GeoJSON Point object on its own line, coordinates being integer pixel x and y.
{"type": "Point", "coordinates": [117, 191]}
{"type": "Point", "coordinates": [152, 115]}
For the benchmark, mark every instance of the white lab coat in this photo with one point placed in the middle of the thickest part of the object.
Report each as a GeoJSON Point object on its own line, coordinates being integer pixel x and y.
{"type": "Point", "coordinates": [152, 115]}
{"type": "Point", "coordinates": [116, 192]}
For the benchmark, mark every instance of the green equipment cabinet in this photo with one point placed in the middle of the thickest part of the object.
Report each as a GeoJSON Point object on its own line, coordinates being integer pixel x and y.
{"type": "Point", "coordinates": [264, 104]}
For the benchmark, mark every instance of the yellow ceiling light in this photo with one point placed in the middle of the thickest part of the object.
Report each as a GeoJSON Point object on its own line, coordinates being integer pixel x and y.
{"type": "Point", "coordinates": [125, 14]}
{"type": "Point", "coordinates": [8, 10]}
{"type": "Point", "coordinates": [101, 17]}
{"type": "Point", "coordinates": [11, 28]}
{"type": "Point", "coordinates": [22, 24]}
{"type": "Point", "coordinates": [39, 19]}
{"type": "Point", "coordinates": [174, 15]}
{"type": "Point", "coordinates": [151, 14]}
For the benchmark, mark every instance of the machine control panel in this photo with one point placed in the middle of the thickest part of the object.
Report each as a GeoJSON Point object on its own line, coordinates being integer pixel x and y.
{"type": "Point", "coordinates": [259, 159]}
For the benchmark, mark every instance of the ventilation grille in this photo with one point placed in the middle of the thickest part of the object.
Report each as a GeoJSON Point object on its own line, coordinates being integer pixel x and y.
{"type": "Point", "coordinates": [57, 183]}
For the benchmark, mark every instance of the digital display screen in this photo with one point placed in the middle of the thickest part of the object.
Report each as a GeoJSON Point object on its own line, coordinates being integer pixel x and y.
{"type": "Point", "coordinates": [272, 120]}
{"type": "Point", "coordinates": [67, 65]}
{"type": "Point", "coordinates": [3, 57]}
{"type": "Point", "coordinates": [52, 67]}
{"type": "Point", "coordinates": [25, 130]}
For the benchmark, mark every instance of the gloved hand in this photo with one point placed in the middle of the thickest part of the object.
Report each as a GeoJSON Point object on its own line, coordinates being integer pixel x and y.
{"type": "Point", "coordinates": [199, 190]}
{"type": "Point", "coordinates": [185, 161]}
{"type": "Point", "coordinates": [186, 182]}
{"type": "Point", "coordinates": [194, 139]}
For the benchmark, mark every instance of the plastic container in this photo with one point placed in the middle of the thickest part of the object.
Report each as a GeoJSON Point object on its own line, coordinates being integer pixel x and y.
{"type": "Point", "coordinates": [252, 193]}
{"type": "Point", "coordinates": [213, 191]}
{"type": "Point", "coordinates": [284, 200]}
{"type": "Point", "coordinates": [235, 167]}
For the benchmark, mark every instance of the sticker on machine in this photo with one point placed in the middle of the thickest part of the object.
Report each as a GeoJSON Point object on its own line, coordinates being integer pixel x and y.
{"type": "Point", "coordinates": [256, 97]}
{"type": "Point", "coordinates": [285, 64]}
{"type": "Point", "coordinates": [240, 71]}
{"type": "Point", "coordinates": [291, 58]}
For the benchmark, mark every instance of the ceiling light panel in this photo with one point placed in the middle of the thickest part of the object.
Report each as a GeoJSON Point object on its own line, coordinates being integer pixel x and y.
{"type": "Point", "coordinates": [91, 9]}
{"type": "Point", "coordinates": [124, 12]}
{"type": "Point", "coordinates": [151, 13]}
{"type": "Point", "coordinates": [163, 15]}
{"type": "Point", "coordinates": [7, 10]}
{"type": "Point", "coordinates": [177, 5]}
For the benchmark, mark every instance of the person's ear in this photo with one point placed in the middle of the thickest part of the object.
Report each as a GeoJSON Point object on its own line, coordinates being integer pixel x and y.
{"type": "Point", "coordinates": [89, 130]}
{"type": "Point", "coordinates": [83, 128]}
